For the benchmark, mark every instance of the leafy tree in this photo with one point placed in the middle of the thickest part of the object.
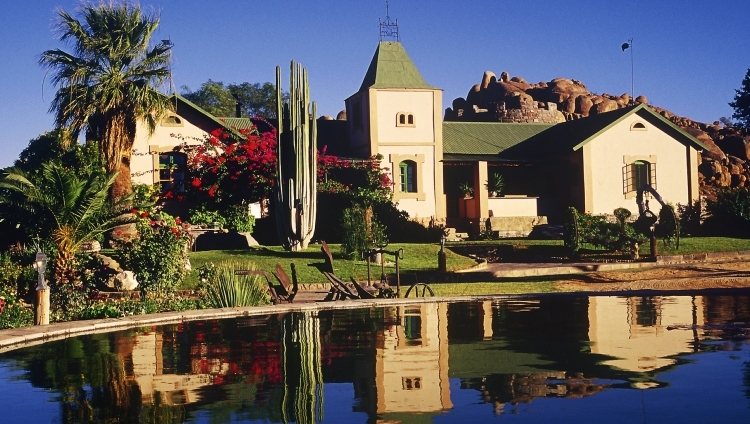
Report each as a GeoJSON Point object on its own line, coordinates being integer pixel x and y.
{"type": "Point", "coordinates": [108, 84]}
{"type": "Point", "coordinates": [212, 97]}
{"type": "Point", "coordinates": [66, 208]}
{"type": "Point", "coordinates": [257, 99]}
{"type": "Point", "coordinates": [741, 103]}
{"type": "Point", "coordinates": [220, 100]}
{"type": "Point", "coordinates": [56, 146]}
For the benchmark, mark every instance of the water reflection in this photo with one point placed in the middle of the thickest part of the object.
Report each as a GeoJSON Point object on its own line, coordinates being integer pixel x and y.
{"type": "Point", "coordinates": [391, 364]}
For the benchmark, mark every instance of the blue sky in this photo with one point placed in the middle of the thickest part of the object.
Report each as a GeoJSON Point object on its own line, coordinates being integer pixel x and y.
{"type": "Point", "coordinates": [689, 56]}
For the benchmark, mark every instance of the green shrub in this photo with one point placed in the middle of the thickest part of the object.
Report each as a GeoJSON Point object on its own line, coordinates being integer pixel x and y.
{"type": "Point", "coordinates": [580, 229]}
{"type": "Point", "coordinates": [729, 214]}
{"type": "Point", "coordinates": [690, 218]}
{"type": "Point", "coordinates": [221, 288]}
{"type": "Point", "coordinates": [239, 219]}
{"type": "Point", "coordinates": [158, 255]}
{"type": "Point", "coordinates": [203, 216]}
{"type": "Point", "coordinates": [15, 316]}
{"type": "Point", "coordinates": [668, 227]}
{"type": "Point", "coordinates": [15, 279]}
{"type": "Point", "coordinates": [361, 231]}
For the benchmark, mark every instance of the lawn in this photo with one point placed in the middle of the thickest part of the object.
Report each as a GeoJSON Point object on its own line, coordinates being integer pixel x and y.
{"type": "Point", "coordinates": [420, 261]}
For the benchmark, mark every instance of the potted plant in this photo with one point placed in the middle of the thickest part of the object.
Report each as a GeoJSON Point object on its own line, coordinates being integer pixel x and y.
{"type": "Point", "coordinates": [467, 189]}
{"type": "Point", "coordinates": [495, 184]}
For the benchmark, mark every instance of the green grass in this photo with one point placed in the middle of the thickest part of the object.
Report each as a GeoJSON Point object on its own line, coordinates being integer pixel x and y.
{"type": "Point", "coordinates": [419, 260]}
{"type": "Point", "coordinates": [689, 245]}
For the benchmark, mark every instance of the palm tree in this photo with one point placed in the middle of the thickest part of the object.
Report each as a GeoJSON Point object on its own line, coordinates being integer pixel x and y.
{"type": "Point", "coordinates": [110, 81]}
{"type": "Point", "coordinates": [68, 208]}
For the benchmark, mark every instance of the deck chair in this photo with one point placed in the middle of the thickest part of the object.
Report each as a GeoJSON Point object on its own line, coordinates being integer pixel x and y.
{"type": "Point", "coordinates": [289, 287]}
{"type": "Point", "coordinates": [340, 289]}
{"type": "Point", "coordinates": [283, 292]}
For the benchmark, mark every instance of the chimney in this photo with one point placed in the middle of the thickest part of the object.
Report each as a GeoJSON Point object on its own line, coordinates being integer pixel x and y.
{"type": "Point", "coordinates": [238, 110]}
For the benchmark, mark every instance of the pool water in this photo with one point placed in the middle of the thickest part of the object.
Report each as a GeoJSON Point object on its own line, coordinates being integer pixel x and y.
{"type": "Point", "coordinates": [559, 359]}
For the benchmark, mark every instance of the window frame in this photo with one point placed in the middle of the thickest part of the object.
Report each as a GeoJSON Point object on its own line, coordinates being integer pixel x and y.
{"type": "Point", "coordinates": [636, 169]}
{"type": "Point", "coordinates": [405, 119]}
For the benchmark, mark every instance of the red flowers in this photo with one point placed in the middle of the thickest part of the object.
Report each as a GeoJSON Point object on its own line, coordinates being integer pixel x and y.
{"type": "Point", "coordinates": [144, 214]}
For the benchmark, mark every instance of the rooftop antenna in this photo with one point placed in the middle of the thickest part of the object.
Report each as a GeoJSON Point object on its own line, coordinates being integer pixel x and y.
{"type": "Point", "coordinates": [169, 44]}
{"type": "Point", "coordinates": [625, 46]}
{"type": "Point", "coordinates": [388, 28]}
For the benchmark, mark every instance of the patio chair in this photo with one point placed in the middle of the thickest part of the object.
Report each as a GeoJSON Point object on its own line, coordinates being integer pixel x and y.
{"type": "Point", "coordinates": [340, 289]}
{"type": "Point", "coordinates": [285, 291]}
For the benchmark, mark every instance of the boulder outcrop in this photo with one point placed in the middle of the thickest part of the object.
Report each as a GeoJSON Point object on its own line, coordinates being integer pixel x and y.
{"type": "Point", "coordinates": [726, 162]}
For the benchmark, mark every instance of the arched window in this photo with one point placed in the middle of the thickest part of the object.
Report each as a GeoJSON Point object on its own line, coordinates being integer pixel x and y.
{"type": "Point", "coordinates": [404, 119]}
{"type": "Point", "coordinates": [172, 171]}
{"type": "Point", "coordinates": [407, 176]}
{"type": "Point", "coordinates": [637, 174]}
{"type": "Point", "coordinates": [638, 126]}
{"type": "Point", "coordinates": [172, 120]}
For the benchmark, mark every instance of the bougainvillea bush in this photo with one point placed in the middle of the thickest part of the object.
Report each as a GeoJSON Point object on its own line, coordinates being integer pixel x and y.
{"type": "Point", "coordinates": [227, 169]}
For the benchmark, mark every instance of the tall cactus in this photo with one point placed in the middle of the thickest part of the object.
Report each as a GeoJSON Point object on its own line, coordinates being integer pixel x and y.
{"type": "Point", "coordinates": [296, 162]}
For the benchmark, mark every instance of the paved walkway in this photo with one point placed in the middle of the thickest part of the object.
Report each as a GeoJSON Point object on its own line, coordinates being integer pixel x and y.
{"type": "Point", "coordinates": [499, 271]}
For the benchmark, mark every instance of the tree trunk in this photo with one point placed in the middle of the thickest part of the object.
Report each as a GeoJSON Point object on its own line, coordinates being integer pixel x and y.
{"type": "Point", "coordinates": [123, 184]}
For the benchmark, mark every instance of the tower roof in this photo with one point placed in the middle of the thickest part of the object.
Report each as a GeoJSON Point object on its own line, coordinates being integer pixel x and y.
{"type": "Point", "coordinates": [391, 67]}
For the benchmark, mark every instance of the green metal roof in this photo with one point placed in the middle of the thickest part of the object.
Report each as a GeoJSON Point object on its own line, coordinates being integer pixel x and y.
{"type": "Point", "coordinates": [537, 141]}
{"type": "Point", "coordinates": [233, 125]}
{"type": "Point", "coordinates": [570, 136]}
{"type": "Point", "coordinates": [486, 138]}
{"type": "Point", "coordinates": [391, 67]}
{"type": "Point", "coordinates": [238, 123]}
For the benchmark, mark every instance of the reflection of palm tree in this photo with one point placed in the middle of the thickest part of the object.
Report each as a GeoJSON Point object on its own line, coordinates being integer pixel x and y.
{"type": "Point", "coordinates": [301, 354]}
{"type": "Point", "coordinates": [70, 209]}
{"type": "Point", "coordinates": [108, 84]}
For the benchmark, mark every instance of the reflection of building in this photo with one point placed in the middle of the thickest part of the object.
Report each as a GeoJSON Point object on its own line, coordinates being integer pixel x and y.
{"type": "Point", "coordinates": [410, 369]}
{"type": "Point", "coordinates": [634, 329]}
{"type": "Point", "coordinates": [174, 389]}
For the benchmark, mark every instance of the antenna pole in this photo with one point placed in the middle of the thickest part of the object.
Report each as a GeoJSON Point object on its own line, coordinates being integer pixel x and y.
{"type": "Point", "coordinates": [632, 71]}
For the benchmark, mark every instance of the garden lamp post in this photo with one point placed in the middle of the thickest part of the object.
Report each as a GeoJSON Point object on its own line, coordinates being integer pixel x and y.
{"type": "Point", "coordinates": [41, 307]}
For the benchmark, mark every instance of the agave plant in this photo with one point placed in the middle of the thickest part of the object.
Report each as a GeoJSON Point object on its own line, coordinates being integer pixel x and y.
{"type": "Point", "coordinates": [224, 289]}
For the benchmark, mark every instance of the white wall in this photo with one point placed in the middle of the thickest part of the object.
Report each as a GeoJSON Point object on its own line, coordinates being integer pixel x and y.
{"type": "Point", "coordinates": [418, 139]}
{"type": "Point", "coordinates": [142, 162]}
{"type": "Point", "coordinates": [604, 158]}
{"type": "Point", "coordinates": [419, 103]}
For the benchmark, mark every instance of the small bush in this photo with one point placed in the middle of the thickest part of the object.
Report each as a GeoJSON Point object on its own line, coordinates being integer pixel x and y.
{"type": "Point", "coordinates": [580, 229]}
{"type": "Point", "coordinates": [158, 256]}
{"type": "Point", "coordinates": [203, 216]}
{"type": "Point", "coordinates": [691, 217]}
{"type": "Point", "coordinates": [239, 219]}
{"type": "Point", "coordinates": [221, 288]}
{"type": "Point", "coordinates": [668, 227]}
{"type": "Point", "coordinates": [729, 214]}
{"type": "Point", "coordinates": [362, 231]}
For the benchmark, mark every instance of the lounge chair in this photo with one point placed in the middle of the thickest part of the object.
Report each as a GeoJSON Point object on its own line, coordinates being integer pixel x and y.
{"type": "Point", "coordinates": [340, 289]}
{"type": "Point", "coordinates": [285, 291]}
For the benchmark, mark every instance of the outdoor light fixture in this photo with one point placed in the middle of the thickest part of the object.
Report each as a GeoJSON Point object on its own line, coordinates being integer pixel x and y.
{"type": "Point", "coordinates": [40, 265]}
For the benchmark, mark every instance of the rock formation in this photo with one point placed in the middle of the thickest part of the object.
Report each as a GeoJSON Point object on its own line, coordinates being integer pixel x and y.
{"type": "Point", "coordinates": [726, 163]}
